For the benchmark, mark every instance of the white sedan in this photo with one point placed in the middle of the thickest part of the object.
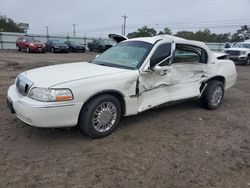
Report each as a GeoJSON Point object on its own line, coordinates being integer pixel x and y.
{"type": "Point", "coordinates": [131, 77]}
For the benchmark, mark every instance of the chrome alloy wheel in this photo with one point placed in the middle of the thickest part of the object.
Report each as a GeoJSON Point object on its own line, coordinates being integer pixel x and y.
{"type": "Point", "coordinates": [217, 96]}
{"type": "Point", "coordinates": [104, 116]}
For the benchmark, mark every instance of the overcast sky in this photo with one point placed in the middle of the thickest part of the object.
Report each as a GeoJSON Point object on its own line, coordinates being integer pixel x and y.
{"type": "Point", "coordinates": [98, 18]}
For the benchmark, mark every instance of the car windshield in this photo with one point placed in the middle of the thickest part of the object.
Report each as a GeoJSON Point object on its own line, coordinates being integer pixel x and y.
{"type": "Point", "coordinates": [128, 55]}
{"type": "Point", "coordinates": [242, 45]}
{"type": "Point", "coordinates": [58, 42]}
{"type": "Point", "coordinates": [75, 43]}
{"type": "Point", "coordinates": [30, 39]}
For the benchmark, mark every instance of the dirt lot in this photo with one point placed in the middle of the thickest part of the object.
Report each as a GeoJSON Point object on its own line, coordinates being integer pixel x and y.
{"type": "Point", "coordinates": [177, 146]}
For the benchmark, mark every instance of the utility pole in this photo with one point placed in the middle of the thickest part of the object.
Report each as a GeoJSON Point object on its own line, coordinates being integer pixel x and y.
{"type": "Point", "coordinates": [74, 29]}
{"type": "Point", "coordinates": [124, 24]}
{"type": "Point", "coordinates": [47, 32]}
{"type": "Point", "coordinates": [122, 30]}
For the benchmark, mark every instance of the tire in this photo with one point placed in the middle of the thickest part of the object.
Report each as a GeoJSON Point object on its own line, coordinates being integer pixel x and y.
{"type": "Point", "coordinates": [90, 49]}
{"type": "Point", "coordinates": [248, 61]}
{"type": "Point", "coordinates": [27, 49]}
{"type": "Point", "coordinates": [213, 95]}
{"type": "Point", "coordinates": [18, 48]}
{"type": "Point", "coordinates": [52, 50]}
{"type": "Point", "coordinates": [100, 116]}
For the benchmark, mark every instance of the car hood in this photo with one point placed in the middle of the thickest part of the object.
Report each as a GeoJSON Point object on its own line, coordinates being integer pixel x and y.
{"type": "Point", "coordinates": [57, 74]}
{"type": "Point", "coordinates": [237, 49]}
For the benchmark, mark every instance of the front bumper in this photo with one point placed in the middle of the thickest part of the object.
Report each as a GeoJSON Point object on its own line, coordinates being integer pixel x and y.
{"type": "Point", "coordinates": [43, 114]}
{"type": "Point", "coordinates": [37, 49]}
{"type": "Point", "coordinates": [239, 59]}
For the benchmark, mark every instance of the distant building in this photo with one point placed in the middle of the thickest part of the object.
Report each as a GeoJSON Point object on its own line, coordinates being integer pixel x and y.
{"type": "Point", "coordinates": [23, 26]}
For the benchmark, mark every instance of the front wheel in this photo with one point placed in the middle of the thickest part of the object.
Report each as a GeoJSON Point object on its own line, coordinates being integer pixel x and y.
{"type": "Point", "coordinates": [27, 49]}
{"type": "Point", "coordinates": [213, 95]}
{"type": "Point", "coordinates": [100, 116]}
{"type": "Point", "coordinates": [18, 48]}
{"type": "Point", "coordinates": [248, 61]}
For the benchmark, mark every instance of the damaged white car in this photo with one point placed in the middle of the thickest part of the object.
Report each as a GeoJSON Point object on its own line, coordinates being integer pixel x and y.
{"type": "Point", "coordinates": [131, 77]}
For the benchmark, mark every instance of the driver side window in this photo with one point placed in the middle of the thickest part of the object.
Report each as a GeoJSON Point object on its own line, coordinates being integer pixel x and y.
{"type": "Point", "coordinates": [161, 53]}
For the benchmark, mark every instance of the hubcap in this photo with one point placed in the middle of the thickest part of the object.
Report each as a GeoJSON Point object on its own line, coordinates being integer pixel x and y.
{"type": "Point", "coordinates": [217, 96]}
{"type": "Point", "coordinates": [104, 116]}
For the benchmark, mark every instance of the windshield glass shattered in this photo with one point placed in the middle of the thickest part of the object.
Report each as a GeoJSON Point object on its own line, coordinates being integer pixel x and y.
{"type": "Point", "coordinates": [128, 54]}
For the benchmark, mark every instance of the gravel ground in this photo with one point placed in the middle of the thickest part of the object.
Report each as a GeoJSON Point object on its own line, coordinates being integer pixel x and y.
{"type": "Point", "coordinates": [178, 146]}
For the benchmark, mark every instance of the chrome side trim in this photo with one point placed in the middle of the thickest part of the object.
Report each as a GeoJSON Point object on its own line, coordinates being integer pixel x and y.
{"type": "Point", "coordinates": [45, 106]}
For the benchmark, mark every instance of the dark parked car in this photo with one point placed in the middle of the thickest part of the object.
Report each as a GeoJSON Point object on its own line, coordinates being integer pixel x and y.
{"type": "Point", "coordinates": [100, 45]}
{"type": "Point", "coordinates": [29, 44]}
{"type": "Point", "coordinates": [75, 46]}
{"type": "Point", "coordinates": [57, 46]}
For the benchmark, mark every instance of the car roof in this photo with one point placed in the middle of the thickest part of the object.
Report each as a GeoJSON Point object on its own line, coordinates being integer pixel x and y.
{"type": "Point", "coordinates": [170, 38]}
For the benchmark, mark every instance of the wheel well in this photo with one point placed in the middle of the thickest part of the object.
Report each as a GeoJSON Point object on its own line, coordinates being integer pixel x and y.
{"type": "Point", "coordinates": [218, 78]}
{"type": "Point", "coordinates": [116, 94]}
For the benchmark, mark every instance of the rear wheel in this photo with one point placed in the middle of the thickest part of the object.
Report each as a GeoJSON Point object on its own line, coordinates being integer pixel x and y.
{"type": "Point", "coordinates": [100, 116]}
{"type": "Point", "coordinates": [213, 95]}
{"type": "Point", "coordinates": [18, 48]}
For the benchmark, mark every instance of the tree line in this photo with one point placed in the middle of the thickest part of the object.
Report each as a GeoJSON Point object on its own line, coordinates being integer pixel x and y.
{"type": "Point", "coordinates": [8, 25]}
{"type": "Point", "coordinates": [202, 35]}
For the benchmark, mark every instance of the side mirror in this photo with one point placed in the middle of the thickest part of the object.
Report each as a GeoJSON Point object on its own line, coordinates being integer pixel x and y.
{"type": "Point", "coordinates": [157, 69]}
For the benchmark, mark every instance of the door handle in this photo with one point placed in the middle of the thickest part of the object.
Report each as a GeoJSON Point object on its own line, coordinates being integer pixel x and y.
{"type": "Point", "coordinates": [164, 72]}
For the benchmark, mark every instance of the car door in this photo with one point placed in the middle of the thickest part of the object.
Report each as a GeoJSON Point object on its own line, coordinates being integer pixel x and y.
{"type": "Point", "coordinates": [22, 42]}
{"type": "Point", "coordinates": [169, 80]}
{"type": "Point", "coordinates": [155, 80]}
{"type": "Point", "coordinates": [188, 68]}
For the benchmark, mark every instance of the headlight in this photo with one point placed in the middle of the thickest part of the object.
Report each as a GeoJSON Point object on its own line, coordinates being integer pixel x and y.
{"type": "Point", "coordinates": [56, 46]}
{"type": "Point", "coordinates": [243, 53]}
{"type": "Point", "coordinates": [50, 95]}
{"type": "Point", "coordinates": [31, 44]}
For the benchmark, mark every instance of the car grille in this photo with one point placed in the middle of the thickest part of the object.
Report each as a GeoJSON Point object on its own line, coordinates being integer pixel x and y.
{"type": "Point", "coordinates": [23, 84]}
{"type": "Point", "coordinates": [233, 53]}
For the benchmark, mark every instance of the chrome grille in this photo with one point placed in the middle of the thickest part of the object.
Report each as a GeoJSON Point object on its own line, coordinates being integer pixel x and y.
{"type": "Point", "coordinates": [23, 84]}
{"type": "Point", "coordinates": [233, 53]}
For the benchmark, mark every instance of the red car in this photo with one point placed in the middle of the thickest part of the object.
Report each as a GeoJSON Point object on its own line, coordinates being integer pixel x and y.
{"type": "Point", "coordinates": [29, 44]}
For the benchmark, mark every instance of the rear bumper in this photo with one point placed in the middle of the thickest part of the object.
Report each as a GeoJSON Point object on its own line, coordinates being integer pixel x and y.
{"type": "Point", "coordinates": [43, 114]}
